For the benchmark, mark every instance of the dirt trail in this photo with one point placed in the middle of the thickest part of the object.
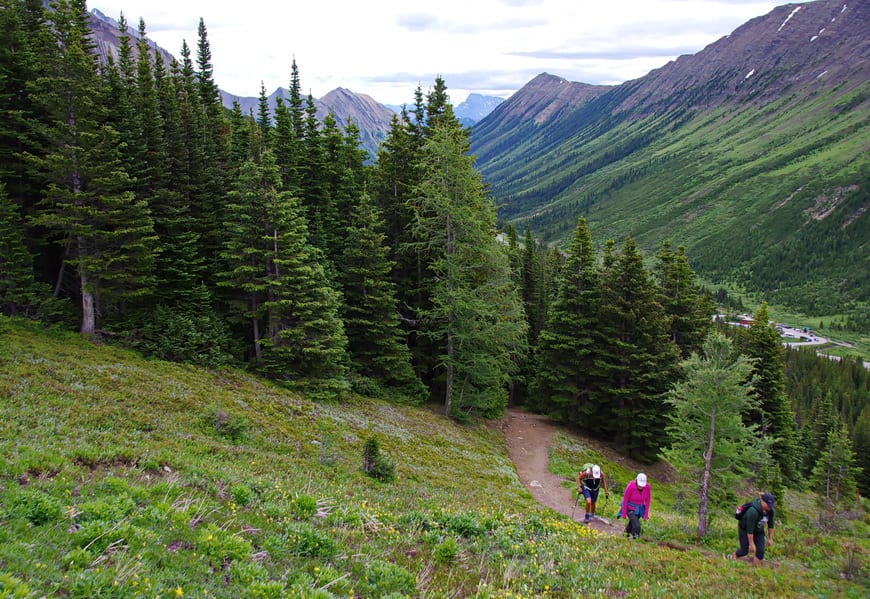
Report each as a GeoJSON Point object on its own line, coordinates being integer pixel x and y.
{"type": "Point", "coordinates": [528, 438]}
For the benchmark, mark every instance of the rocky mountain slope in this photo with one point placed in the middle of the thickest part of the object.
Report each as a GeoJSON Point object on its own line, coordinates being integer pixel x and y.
{"type": "Point", "coordinates": [371, 118]}
{"type": "Point", "coordinates": [753, 153]}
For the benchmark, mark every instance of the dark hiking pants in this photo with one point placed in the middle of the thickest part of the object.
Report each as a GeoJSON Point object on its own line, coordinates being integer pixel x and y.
{"type": "Point", "coordinates": [632, 529]}
{"type": "Point", "coordinates": [760, 543]}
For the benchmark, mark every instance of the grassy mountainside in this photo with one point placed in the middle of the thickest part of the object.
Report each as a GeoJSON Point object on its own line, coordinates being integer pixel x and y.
{"type": "Point", "coordinates": [126, 477]}
{"type": "Point", "coordinates": [763, 176]}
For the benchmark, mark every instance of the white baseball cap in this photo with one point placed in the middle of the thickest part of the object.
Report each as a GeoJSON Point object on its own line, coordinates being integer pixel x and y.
{"type": "Point", "coordinates": [596, 471]}
{"type": "Point", "coordinates": [641, 480]}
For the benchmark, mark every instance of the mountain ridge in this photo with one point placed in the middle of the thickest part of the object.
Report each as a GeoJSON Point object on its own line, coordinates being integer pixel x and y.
{"type": "Point", "coordinates": [746, 153]}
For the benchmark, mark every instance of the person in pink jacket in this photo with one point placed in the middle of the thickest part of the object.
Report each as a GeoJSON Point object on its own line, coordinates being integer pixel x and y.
{"type": "Point", "coordinates": [635, 504]}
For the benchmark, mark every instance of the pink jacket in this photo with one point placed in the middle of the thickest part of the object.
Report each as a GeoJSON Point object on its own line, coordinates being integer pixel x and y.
{"type": "Point", "coordinates": [637, 497]}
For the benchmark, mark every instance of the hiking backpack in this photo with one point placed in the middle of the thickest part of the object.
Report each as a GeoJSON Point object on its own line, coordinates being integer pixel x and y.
{"type": "Point", "coordinates": [741, 510]}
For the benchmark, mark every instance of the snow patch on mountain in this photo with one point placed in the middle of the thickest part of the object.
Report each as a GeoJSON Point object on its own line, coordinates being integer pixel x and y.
{"type": "Point", "coordinates": [788, 18]}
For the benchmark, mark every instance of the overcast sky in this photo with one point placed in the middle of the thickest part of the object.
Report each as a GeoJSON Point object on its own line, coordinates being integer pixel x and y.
{"type": "Point", "coordinates": [386, 48]}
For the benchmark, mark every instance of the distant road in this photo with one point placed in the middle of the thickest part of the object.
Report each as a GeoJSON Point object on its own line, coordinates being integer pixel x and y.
{"type": "Point", "coordinates": [803, 339]}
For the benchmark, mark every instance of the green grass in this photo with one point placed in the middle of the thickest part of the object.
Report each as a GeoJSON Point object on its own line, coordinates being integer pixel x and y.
{"type": "Point", "coordinates": [127, 477]}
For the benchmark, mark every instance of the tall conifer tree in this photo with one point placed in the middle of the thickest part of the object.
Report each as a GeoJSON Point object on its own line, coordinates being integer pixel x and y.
{"type": "Point", "coordinates": [25, 47]}
{"type": "Point", "coordinates": [689, 315]}
{"type": "Point", "coordinates": [638, 360]}
{"type": "Point", "coordinates": [566, 384]}
{"type": "Point", "coordinates": [214, 139]}
{"type": "Point", "coordinates": [20, 294]}
{"type": "Point", "coordinates": [475, 321]}
{"type": "Point", "coordinates": [108, 234]}
{"type": "Point", "coordinates": [711, 448]}
{"type": "Point", "coordinates": [279, 284]}
{"type": "Point", "coordinates": [775, 416]}
{"type": "Point", "coordinates": [377, 342]}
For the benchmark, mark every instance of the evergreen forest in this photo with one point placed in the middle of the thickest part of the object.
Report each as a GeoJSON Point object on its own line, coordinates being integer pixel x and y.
{"type": "Point", "coordinates": [138, 210]}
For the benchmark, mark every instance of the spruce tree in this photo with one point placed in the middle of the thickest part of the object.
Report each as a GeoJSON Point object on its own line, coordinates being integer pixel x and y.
{"type": "Point", "coordinates": [314, 185]}
{"type": "Point", "coordinates": [214, 140]}
{"type": "Point", "coordinates": [377, 343]}
{"type": "Point", "coordinates": [683, 301]}
{"type": "Point", "coordinates": [153, 162]}
{"type": "Point", "coordinates": [396, 173]}
{"type": "Point", "coordinates": [89, 203]}
{"type": "Point", "coordinates": [180, 265]}
{"type": "Point", "coordinates": [190, 158]}
{"type": "Point", "coordinates": [824, 420]}
{"type": "Point", "coordinates": [638, 362]}
{"type": "Point", "coordinates": [20, 293]}
{"type": "Point", "coordinates": [861, 450]}
{"type": "Point", "coordinates": [26, 45]}
{"type": "Point", "coordinates": [240, 136]}
{"type": "Point", "coordinates": [475, 320]}
{"type": "Point", "coordinates": [279, 285]}
{"type": "Point", "coordinates": [566, 385]}
{"type": "Point", "coordinates": [775, 414]}
{"type": "Point", "coordinates": [264, 119]}
{"type": "Point", "coordinates": [534, 285]}
{"type": "Point", "coordinates": [834, 479]}
{"type": "Point", "coordinates": [287, 149]}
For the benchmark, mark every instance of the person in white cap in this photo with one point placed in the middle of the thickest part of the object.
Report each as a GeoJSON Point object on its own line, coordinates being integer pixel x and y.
{"type": "Point", "coordinates": [636, 502]}
{"type": "Point", "coordinates": [589, 483]}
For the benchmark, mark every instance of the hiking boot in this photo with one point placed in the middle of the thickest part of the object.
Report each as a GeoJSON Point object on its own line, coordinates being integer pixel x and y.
{"type": "Point", "coordinates": [587, 518]}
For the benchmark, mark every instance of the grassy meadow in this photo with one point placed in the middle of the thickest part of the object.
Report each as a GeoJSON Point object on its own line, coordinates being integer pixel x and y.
{"type": "Point", "coordinates": [127, 477]}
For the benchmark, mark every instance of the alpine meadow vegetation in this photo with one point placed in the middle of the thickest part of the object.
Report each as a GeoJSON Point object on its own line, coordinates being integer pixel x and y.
{"type": "Point", "coordinates": [125, 476]}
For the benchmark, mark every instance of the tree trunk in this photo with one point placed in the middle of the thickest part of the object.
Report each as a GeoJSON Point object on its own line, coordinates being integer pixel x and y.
{"type": "Point", "coordinates": [703, 506]}
{"type": "Point", "coordinates": [448, 383]}
{"type": "Point", "coordinates": [255, 329]}
{"type": "Point", "coordinates": [89, 313]}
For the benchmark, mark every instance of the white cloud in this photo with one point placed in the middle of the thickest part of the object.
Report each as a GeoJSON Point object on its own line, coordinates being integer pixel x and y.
{"type": "Point", "coordinates": [386, 48]}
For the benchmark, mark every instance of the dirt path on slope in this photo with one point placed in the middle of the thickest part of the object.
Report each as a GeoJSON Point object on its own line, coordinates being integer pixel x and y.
{"type": "Point", "coordinates": [528, 437]}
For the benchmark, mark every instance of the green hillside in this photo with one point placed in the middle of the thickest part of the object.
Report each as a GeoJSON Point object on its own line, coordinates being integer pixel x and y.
{"type": "Point", "coordinates": [773, 198]}
{"type": "Point", "coordinates": [127, 477]}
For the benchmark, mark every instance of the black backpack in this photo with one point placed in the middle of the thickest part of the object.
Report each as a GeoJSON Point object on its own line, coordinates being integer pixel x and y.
{"type": "Point", "coordinates": [741, 510]}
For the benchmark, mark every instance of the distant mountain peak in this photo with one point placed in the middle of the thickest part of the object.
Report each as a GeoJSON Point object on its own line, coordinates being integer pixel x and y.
{"type": "Point", "coordinates": [475, 108]}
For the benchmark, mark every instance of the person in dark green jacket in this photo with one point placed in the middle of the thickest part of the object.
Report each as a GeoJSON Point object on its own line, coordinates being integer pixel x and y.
{"type": "Point", "coordinates": [756, 520]}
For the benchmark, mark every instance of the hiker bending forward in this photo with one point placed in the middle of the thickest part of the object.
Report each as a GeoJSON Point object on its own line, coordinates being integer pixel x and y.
{"type": "Point", "coordinates": [636, 502]}
{"type": "Point", "coordinates": [751, 527]}
{"type": "Point", "coordinates": [589, 484]}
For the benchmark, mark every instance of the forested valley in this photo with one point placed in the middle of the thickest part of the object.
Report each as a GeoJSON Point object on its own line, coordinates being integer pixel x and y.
{"type": "Point", "coordinates": [136, 209]}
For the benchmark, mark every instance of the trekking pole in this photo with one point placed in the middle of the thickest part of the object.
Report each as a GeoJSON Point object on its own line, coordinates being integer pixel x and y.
{"type": "Point", "coordinates": [576, 502]}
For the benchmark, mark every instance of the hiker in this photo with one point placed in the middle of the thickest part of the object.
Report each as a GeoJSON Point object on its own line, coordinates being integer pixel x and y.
{"type": "Point", "coordinates": [589, 484]}
{"type": "Point", "coordinates": [756, 516]}
{"type": "Point", "coordinates": [636, 502]}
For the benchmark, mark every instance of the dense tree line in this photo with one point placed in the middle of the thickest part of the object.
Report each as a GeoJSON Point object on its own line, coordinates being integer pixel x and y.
{"type": "Point", "coordinates": [136, 208]}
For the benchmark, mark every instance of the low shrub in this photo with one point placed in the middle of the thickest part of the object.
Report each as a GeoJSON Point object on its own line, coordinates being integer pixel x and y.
{"type": "Point", "coordinates": [36, 507]}
{"type": "Point", "coordinates": [446, 551]}
{"type": "Point", "coordinates": [227, 425]}
{"type": "Point", "coordinates": [221, 545]}
{"type": "Point", "coordinates": [303, 507]}
{"type": "Point", "coordinates": [13, 588]}
{"type": "Point", "coordinates": [241, 494]}
{"type": "Point", "coordinates": [376, 464]}
{"type": "Point", "coordinates": [303, 539]}
{"type": "Point", "coordinates": [382, 578]}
